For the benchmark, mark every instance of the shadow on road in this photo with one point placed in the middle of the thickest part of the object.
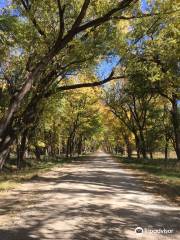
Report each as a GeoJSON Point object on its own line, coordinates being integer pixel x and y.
{"type": "Point", "coordinates": [94, 199]}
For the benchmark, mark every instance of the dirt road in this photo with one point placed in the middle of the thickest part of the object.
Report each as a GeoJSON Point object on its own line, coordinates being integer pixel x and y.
{"type": "Point", "coordinates": [91, 200]}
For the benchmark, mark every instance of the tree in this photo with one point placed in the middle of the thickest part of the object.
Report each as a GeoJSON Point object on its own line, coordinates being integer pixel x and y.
{"type": "Point", "coordinates": [159, 54]}
{"type": "Point", "coordinates": [46, 53]}
{"type": "Point", "coordinates": [68, 122]}
{"type": "Point", "coordinates": [156, 57]}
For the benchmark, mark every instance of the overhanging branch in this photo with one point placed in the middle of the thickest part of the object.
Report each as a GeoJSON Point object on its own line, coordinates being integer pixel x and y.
{"type": "Point", "coordinates": [93, 84]}
{"type": "Point", "coordinates": [61, 18]}
{"type": "Point", "coordinates": [27, 8]}
{"type": "Point", "coordinates": [144, 15]}
{"type": "Point", "coordinates": [106, 17]}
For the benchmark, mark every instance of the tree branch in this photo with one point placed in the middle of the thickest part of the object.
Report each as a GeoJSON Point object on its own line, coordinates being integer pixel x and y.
{"type": "Point", "coordinates": [93, 84]}
{"type": "Point", "coordinates": [143, 15]}
{"type": "Point", "coordinates": [61, 18]}
{"type": "Point", "coordinates": [96, 22]}
{"type": "Point", "coordinates": [75, 29]}
{"type": "Point", "coordinates": [81, 14]}
{"type": "Point", "coordinates": [27, 8]}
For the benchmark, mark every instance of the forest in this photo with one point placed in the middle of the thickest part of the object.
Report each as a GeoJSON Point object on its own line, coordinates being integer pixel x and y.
{"type": "Point", "coordinates": [78, 76]}
{"type": "Point", "coordinates": [89, 119]}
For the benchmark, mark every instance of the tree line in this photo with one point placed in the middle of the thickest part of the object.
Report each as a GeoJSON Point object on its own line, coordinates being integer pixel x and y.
{"type": "Point", "coordinates": [47, 46]}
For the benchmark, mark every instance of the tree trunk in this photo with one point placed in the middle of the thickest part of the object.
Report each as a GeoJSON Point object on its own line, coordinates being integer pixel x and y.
{"type": "Point", "coordinates": [79, 146]}
{"type": "Point", "coordinates": [176, 125]}
{"type": "Point", "coordinates": [137, 146]}
{"type": "Point", "coordinates": [37, 153]}
{"type": "Point", "coordinates": [142, 144]}
{"type": "Point", "coordinates": [5, 145]}
{"type": "Point", "coordinates": [22, 149]}
{"type": "Point", "coordinates": [68, 147]}
{"type": "Point", "coordinates": [8, 134]}
{"type": "Point", "coordinates": [71, 147]}
{"type": "Point", "coordinates": [63, 146]}
{"type": "Point", "coordinates": [166, 148]}
{"type": "Point", "coordinates": [3, 156]}
{"type": "Point", "coordinates": [128, 146]}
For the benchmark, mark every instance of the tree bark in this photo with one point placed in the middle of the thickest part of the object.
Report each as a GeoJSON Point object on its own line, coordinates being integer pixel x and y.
{"type": "Point", "coordinates": [176, 125]}
{"type": "Point", "coordinates": [22, 149]}
{"type": "Point", "coordinates": [166, 148]}
{"type": "Point", "coordinates": [68, 147]}
{"type": "Point", "coordinates": [37, 153]}
{"type": "Point", "coordinates": [137, 146]}
{"type": "Point", "coordinates": [79, 150]}
{"type": "Point", "coordinates": [142, 144]}
{"type": "Point", "coordinates": [128, 146]}
{"type": "Point", "coordinates": [3, 156]}
{"type": "Point", "coordinates": [5, 145]}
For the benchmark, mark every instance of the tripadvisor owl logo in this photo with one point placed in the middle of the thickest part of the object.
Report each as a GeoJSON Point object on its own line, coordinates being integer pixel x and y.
{"type": "Point", "coordinates": [139, 230]}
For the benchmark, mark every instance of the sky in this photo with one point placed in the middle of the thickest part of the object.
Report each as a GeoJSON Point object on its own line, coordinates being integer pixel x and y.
{"type": "Point", "coordinates": [106, 66]}
{"type": "Point", "coordinates": [144, 5]}
{"type": "Point", "coordinates": [3, 3]}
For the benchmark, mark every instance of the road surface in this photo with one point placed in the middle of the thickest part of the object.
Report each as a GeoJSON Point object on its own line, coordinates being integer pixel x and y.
{"type": "Point", "coordinates": [94, 199]}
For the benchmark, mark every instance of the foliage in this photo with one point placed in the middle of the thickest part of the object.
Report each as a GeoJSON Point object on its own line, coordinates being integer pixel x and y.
{"type": "Point", "coordinates": [51, 51]}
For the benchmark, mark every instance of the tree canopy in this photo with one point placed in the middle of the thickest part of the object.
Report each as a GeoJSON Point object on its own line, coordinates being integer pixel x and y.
{"type": "Point", "coordinates": [50, 52]}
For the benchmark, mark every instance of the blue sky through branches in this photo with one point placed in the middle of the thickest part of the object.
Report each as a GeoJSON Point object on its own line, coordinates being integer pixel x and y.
{"type": "Point", "coordinates": [3, 3]}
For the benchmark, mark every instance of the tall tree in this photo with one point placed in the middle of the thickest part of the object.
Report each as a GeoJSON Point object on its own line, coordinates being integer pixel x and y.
{"type": "Point", "coordinates": [49, 34]}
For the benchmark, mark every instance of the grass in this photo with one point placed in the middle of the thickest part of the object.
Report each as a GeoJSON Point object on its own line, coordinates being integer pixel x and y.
{"type": "Point", "coordinates": [164, 175]}
{"type": "Point", "coordinates": [11, 177]}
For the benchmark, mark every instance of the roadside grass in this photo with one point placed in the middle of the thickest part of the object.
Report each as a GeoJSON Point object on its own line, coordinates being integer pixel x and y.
{"type": "Point", "coordinates": [163, 175]}
{"type": "Point", "coordinates": [10, 177]}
